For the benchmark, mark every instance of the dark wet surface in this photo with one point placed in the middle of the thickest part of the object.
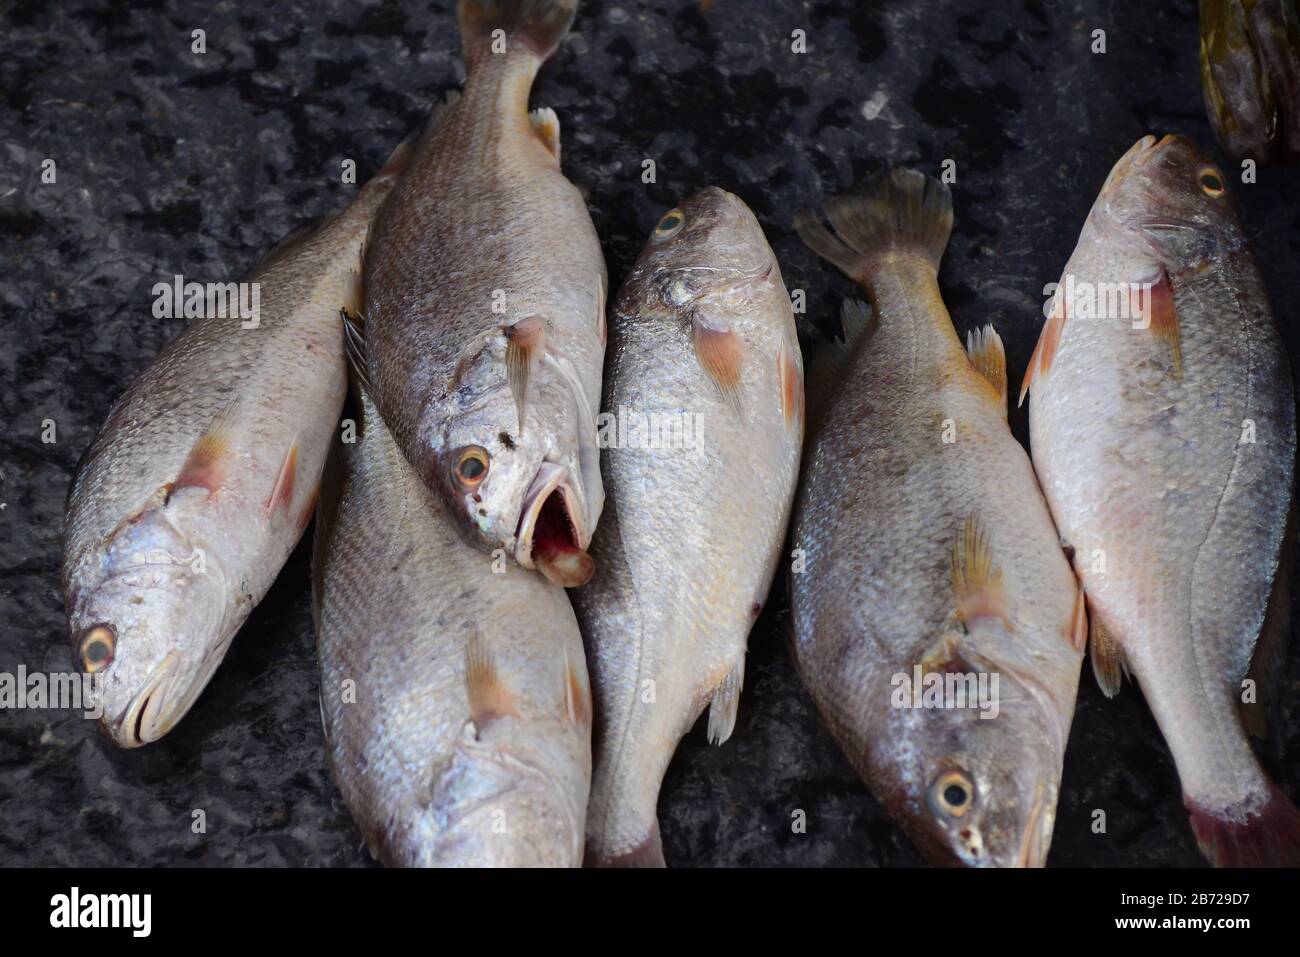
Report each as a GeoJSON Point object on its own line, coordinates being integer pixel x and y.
{"type": "Point", "coordinates": [170, 163]}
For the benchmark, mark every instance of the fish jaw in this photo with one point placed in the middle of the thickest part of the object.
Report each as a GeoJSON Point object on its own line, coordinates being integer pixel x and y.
{"type": "Point", "coordinates": [498, 777]}
{"type": "Point", "coordinates": [551, 523]}
{"type": "Point", "coordinates": [168, 618]}
{"type": "Point", "coordinates": [1166, 199]}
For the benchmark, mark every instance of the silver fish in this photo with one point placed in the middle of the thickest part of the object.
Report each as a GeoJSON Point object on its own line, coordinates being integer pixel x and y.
{"type": "Point", "coordinates": [204, 476]}
{"type": "Point", "coordinates": [1163, 428]}
{"type": "Point", "coordinates": [454, 694]}
{"type": "Point", "coordinates": [484, 328]}
{"type": "Point", "coordinates": [936, 622]}
{"type": "Point", "coordinates": [703, 431]}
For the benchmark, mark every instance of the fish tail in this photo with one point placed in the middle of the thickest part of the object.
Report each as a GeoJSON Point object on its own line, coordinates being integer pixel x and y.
{"type": "Point", "coordinates": [1267, 837]}
{"type": "Point", "coordinates": [538, 25]}
{"type": "Point", "coordinates": [900, 212]}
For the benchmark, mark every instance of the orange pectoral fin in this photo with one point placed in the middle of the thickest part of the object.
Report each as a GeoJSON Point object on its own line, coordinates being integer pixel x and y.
{"type": "Point", "coordinates": [282, 492]}
{"type": "Point", "coordinates": [791, 378]}
{"type": "Point", "coordinates": [721, 353]}
{"type": "Point", "coordinates": [976, 582]}
{"type": "Point", "coordinates": [1040, 363]}
{"type": "Point", "coordinates": [489, 699]}
{"type": "Point", "coordinates": [1154, 303]}
{"type": "Point", "coordinates": [205, 466]}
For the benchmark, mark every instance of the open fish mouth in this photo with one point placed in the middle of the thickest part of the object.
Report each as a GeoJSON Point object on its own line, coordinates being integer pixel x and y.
{"type": "Point", "coordinates": [551, 536]}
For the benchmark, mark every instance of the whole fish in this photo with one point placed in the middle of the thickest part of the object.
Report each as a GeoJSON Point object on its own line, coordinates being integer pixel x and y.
{"type": "Point", "coordinates": [204, 476]}
{"type": "Point", "coordinates": [1163, 428]}
{"type": "Point", "coordinates": [484, 329]}
{"type": "Point", "coordinates": [456, 705]}
{"type": "Point", "coordinates": [935, 619]}
{"type": "Point", "coordinates": [703, 430]}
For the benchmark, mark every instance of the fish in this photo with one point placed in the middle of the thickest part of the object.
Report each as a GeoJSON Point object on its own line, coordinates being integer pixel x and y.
{"type": "Point", "coordinates": [203, 478]}
{"type": "Point", "coordinates": [483, 334]}
{"type": "Point", "coordinates": [935, 620]}
{"type": "Point", "coordinates": [702, 436]}
{"type": "Point", "coordinates": [1250, 76]}
{"type": "Point", "coordinates": [454, 694]}
{"type": "Point", "coordinates": [1162, 424]}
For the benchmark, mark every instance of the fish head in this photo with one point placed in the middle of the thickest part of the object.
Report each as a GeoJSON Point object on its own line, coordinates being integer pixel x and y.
{"type": "Point", "coordinates": [1166, 202]}
{"type": "Point", "coordinates": [523, 478]}
{"type": "Point", "coordinates": [151, 628]}
{"type": "Point", "coordinates": [710, 248]}
{"type": "Point", "coordinates": [980, 779]}
{"type": "Point", "coordinates": [506, 780]}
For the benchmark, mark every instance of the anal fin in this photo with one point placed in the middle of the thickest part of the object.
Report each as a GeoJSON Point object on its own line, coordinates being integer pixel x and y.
{"type": "Point", "coordinates": [1109, 665]}
{"type": "Point", "coordinates": [547, 127]}
{"type": "Point", "coordinates": [984, 348]}
{"type": "Point", "coordinates": [725, 704]}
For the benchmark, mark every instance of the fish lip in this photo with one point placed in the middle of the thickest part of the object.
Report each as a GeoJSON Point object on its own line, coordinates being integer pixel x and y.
{"type": "Point", "coordinates": [140, 718]}
{"type": "Point", "coordinates": [156, 708]}
{"type": "Point", "coordinates": [549, 478]}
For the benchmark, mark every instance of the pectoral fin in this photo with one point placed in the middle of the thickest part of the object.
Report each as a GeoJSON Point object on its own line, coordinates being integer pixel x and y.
{"type": "Point", "coordinates": [489, 698]}
{"type": "Point", "coordinates": [525, 341]}
{"type": "Point", "coordinates": [721, 352]}
{"type": "Point", "coordinates": [976, 581]}
{"type": "Point", "coordinates": [205, 466]}
{"type": "Point", "coordinates": [1040, 363]}
{"type": "Point", "coordinates": [1154, 302]}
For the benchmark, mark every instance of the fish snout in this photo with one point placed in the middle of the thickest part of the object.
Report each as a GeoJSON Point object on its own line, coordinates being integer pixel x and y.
{"type": "Point", "coordinates": [554, 532]}
{"type": "Point", "coordinates": [150, 713]}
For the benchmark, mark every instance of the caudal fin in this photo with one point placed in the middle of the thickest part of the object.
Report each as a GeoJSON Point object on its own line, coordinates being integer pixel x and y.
{"type": "Point", "coordinates": [539, 25]}
{"type": "Point", "coordinates": [898, 213]}
{"type": "Point", "coordinates": [1270, 837]}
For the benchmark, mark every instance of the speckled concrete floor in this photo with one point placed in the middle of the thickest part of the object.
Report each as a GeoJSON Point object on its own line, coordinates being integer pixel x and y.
{"type": "Point", "coordinates": [168, 162]}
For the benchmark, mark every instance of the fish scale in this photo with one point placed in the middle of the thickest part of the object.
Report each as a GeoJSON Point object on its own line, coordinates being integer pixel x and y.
{"type": "Point", "coordinates": [1165, 440]}
{"type": "Point", "coordinates": [204, 476]}
{"type": "Point", "coordinates": [927, 545]}
{"type": "Point", "coordinates": [483, 330]}
{"type": "Point", "coordinates": [703, 327]}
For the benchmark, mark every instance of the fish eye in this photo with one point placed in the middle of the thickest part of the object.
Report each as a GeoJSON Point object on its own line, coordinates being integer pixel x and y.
{"type": "Point", "coordinates": [472, 465]}
{"type": "Point", "coordinates": [98, 645]}
{"type": "Point", "coordinates": [1211, 182]}
{"type": "Point", "coordinates": [670, 225]}
{"type": "Point", "coordinates": [953, 793]}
